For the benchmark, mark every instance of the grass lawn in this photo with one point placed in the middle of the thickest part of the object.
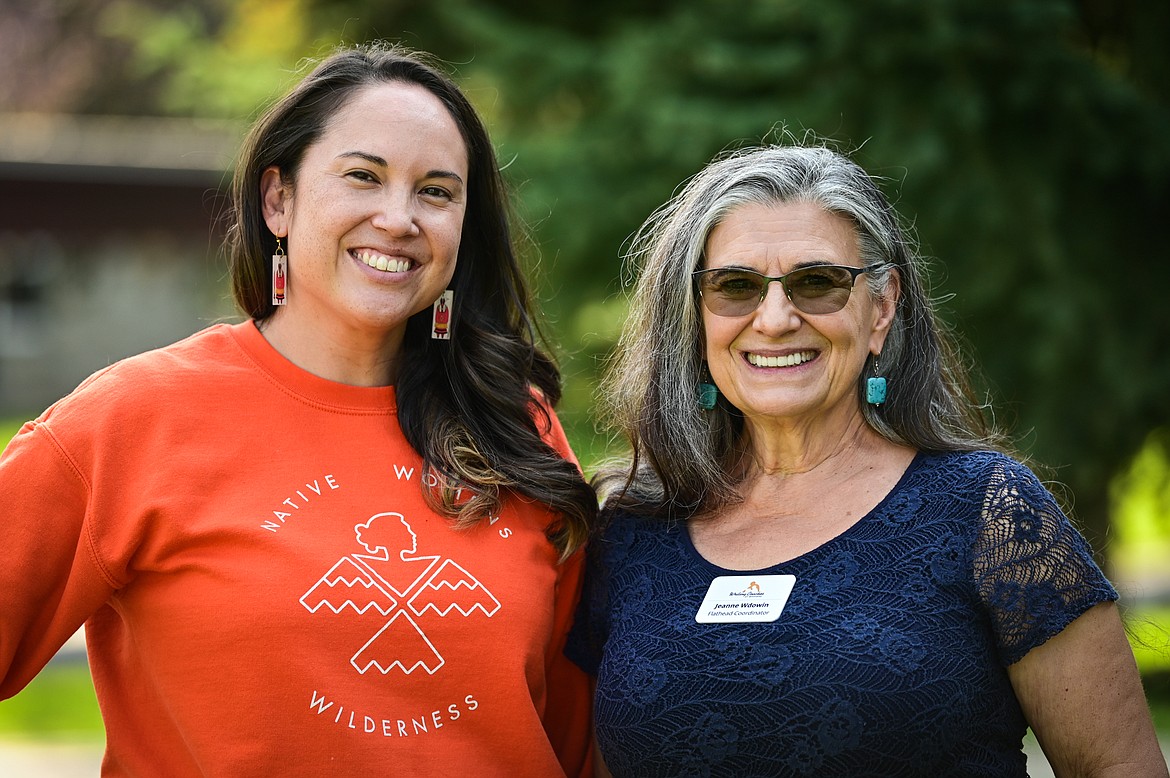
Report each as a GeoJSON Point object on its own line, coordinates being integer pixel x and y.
{"type": "Point", "coordinates": [58, 705]}
{"type": "Point", "coordinates": [8, 428]}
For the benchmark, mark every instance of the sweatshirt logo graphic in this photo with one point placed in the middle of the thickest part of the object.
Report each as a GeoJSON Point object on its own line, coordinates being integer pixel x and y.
{"type": "Point", "coordinates": [392, 582]}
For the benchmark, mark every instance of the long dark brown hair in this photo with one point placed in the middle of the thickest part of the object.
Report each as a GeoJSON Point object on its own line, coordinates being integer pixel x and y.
{"type": "Point", "coordinates": [473, 407]}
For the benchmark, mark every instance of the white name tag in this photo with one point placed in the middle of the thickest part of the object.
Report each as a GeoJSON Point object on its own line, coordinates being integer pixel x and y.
{"type": "Point", "coordinates": [745, 598]}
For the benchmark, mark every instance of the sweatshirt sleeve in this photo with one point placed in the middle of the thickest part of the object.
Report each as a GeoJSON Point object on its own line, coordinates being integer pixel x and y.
{"type": "Point", "coordinates": [550, 428]}
{"type": "Point", "coordinates": [569, 708]}
{"type": "Point", "coordinates": [49, 577]}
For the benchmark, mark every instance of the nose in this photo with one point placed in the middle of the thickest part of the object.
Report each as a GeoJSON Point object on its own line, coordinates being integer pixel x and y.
{"type": "Point", "coordinates": [776, 313]}
{"type": "Point", "coordinates": [396, 214]}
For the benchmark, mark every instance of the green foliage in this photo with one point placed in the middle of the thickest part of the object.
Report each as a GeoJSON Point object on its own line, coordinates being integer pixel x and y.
{"type": "Point", "coordinates": [1157, 687]}
{"type": "Point", "coordinates": [1025, 159]}
{"type": "Point", "coordinates": [220, 59]}
{"type": "Point", "coordinates": [1149, 631]}
{"type": "Point", "coordinates": [1141, 512]}
{"type": "Point", "coordinates": [1028, 142]}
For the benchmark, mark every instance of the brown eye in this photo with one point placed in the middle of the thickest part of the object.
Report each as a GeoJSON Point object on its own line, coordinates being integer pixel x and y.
{"type": "Point", "coordinates": [734, 283]}
{"type": "Point", "coordinates": [436, 192]}
{"type": "Point", "coordinates": [819, 280]}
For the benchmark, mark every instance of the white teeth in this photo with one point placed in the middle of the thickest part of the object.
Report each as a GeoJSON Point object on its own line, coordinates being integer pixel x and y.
{"type": "Point", "coordinates": [785, 361]}
{"type": "Point", "coordinates": [384, 263]}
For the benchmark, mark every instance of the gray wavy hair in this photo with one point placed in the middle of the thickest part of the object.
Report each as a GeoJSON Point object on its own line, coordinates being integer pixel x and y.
{"type": "Point", "coordinates": [682, 457]}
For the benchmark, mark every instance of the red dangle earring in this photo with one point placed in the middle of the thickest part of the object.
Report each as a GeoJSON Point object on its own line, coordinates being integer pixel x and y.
{"type": "Point", "coordinates": [441, 316]}
{"type": "Point", "coordinates": [279, 275]}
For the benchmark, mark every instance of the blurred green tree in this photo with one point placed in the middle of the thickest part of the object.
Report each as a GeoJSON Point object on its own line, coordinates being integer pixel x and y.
{"type": "Point", "coordinates": [1028, 142]}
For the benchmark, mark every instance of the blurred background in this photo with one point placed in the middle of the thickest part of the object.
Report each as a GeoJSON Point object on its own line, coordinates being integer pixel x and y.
{"type": "Point", "coordinates": [1028, 142]}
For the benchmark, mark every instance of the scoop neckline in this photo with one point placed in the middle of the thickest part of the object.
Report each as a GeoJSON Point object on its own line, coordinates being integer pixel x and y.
{"type": "Point", "coordinates": [868, 517]}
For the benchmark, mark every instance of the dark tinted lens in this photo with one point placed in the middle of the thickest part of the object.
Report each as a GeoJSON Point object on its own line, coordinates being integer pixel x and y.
{"type": "Point", "coordinates": [735, 284]}
{"type": "Point", "coordinates": [738, 292]}
{"type": "Point", "coordinates": [819, 289]}
{"type": "Point", "coordinates": [731, 292]}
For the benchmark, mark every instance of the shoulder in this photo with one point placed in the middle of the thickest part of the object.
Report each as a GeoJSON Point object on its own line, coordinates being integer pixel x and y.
{"type": "Point", "coordinates": [968, 461]}
{"type": "Point", "coordinates": [549, 426]}
{"type": "Point", "coordinates": [629, 536]}
{"type": "Point", "coordinates": [127, 392]}
{"type": "Point", "coordinates": [616, 523]}
{"type": "Point", "coordinates": [974, 468]}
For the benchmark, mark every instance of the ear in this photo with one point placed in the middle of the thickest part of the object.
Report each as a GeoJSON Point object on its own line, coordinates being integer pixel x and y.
{"type": "Point", "coordinates": [275, 199]}
{"type": "Point", "coordinates": [884, 310]}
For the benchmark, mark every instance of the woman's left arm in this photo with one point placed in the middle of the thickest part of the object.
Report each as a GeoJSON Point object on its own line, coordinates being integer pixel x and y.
{"type": "Point", "coordinates": [1082, 695]}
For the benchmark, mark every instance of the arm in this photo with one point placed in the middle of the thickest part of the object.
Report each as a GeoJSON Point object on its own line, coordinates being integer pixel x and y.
{"type": "Point", "coordinates": [570, 698]}
{"type": "Point", "coordinates": [1083, 698]}
{"type": "Point", "coordinates": [48, 580]}
{"type": "Point", "coordinates": [569, 706]}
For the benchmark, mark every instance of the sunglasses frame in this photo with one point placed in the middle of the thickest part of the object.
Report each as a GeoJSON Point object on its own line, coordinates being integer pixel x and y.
{"type": "Point", "coordinates": [853, 272]}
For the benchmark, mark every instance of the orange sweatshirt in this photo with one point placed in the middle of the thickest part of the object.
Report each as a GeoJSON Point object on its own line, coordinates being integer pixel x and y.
{"type": "Point", "coordinates": [265, 591]}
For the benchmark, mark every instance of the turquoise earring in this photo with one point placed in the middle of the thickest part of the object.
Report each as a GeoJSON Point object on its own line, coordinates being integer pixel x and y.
{"type": "Point", "coordinates": [708, 394]}
{"type": "Point", "coordinates": [875, 386]}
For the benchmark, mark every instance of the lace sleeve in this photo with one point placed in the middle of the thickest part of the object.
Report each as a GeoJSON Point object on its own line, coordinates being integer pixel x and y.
{"type": "Point", "coordinates": [1033, 569]}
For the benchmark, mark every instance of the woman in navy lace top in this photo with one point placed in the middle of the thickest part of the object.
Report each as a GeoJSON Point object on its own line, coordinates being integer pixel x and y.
{"type": "Point", "coordinates": [821, 561]}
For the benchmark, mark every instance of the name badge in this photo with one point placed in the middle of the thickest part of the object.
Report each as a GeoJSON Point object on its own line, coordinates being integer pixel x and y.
{"type": "Point", "coordinates": [745, 598]}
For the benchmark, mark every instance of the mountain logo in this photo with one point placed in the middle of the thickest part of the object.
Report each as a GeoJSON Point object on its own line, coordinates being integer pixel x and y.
{"type": "Point", "coordinates": [393, 582]}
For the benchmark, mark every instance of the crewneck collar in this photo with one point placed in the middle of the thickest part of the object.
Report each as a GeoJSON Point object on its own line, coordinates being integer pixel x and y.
{"type": "Point", "coordinates": [313, 389]}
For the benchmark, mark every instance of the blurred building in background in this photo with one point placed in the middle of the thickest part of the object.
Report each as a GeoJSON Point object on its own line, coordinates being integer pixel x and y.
{"type": "Point", "coordinates": [110, 243]}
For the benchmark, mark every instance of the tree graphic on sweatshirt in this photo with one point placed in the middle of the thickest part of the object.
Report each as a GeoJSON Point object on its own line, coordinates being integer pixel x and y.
{"type": "Point", "coordinates": [392, 581]}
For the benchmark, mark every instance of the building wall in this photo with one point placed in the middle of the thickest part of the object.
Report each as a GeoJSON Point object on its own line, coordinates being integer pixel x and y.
{"type": "Point", "coordinates": [109, 244]}
{"type": "Point", "coordinates": [70, 305]}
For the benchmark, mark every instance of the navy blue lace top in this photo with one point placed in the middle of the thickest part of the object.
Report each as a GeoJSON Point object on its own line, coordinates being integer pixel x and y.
{"type": "Point", "coordinates": [888, 659]}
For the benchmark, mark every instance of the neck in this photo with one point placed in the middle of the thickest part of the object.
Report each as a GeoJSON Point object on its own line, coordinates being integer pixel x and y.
{"type": "Point", "coordinates": [335, 352]}
{"type": "Point", "coordinates": [790, 449]}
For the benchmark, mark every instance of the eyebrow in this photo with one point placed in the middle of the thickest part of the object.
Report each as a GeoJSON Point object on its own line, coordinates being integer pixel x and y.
{"type": "Point", "coordinates": [798, 266]}
{"type": "Point", "coordinates": [374, 159]}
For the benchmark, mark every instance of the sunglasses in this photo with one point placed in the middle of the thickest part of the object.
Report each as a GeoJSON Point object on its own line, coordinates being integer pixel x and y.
{"type": "Point", "coordinates": [733, 291]}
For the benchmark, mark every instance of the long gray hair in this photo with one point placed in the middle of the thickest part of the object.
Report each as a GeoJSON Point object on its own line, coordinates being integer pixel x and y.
{"type": "Point", "coordinates": [683, 457]}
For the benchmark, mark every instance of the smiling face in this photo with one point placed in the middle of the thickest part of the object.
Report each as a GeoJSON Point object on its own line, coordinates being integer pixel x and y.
{"type": "Point", "coordinates": [374, 218]}
{"type": "Point", "coordinates": [776, 363]}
